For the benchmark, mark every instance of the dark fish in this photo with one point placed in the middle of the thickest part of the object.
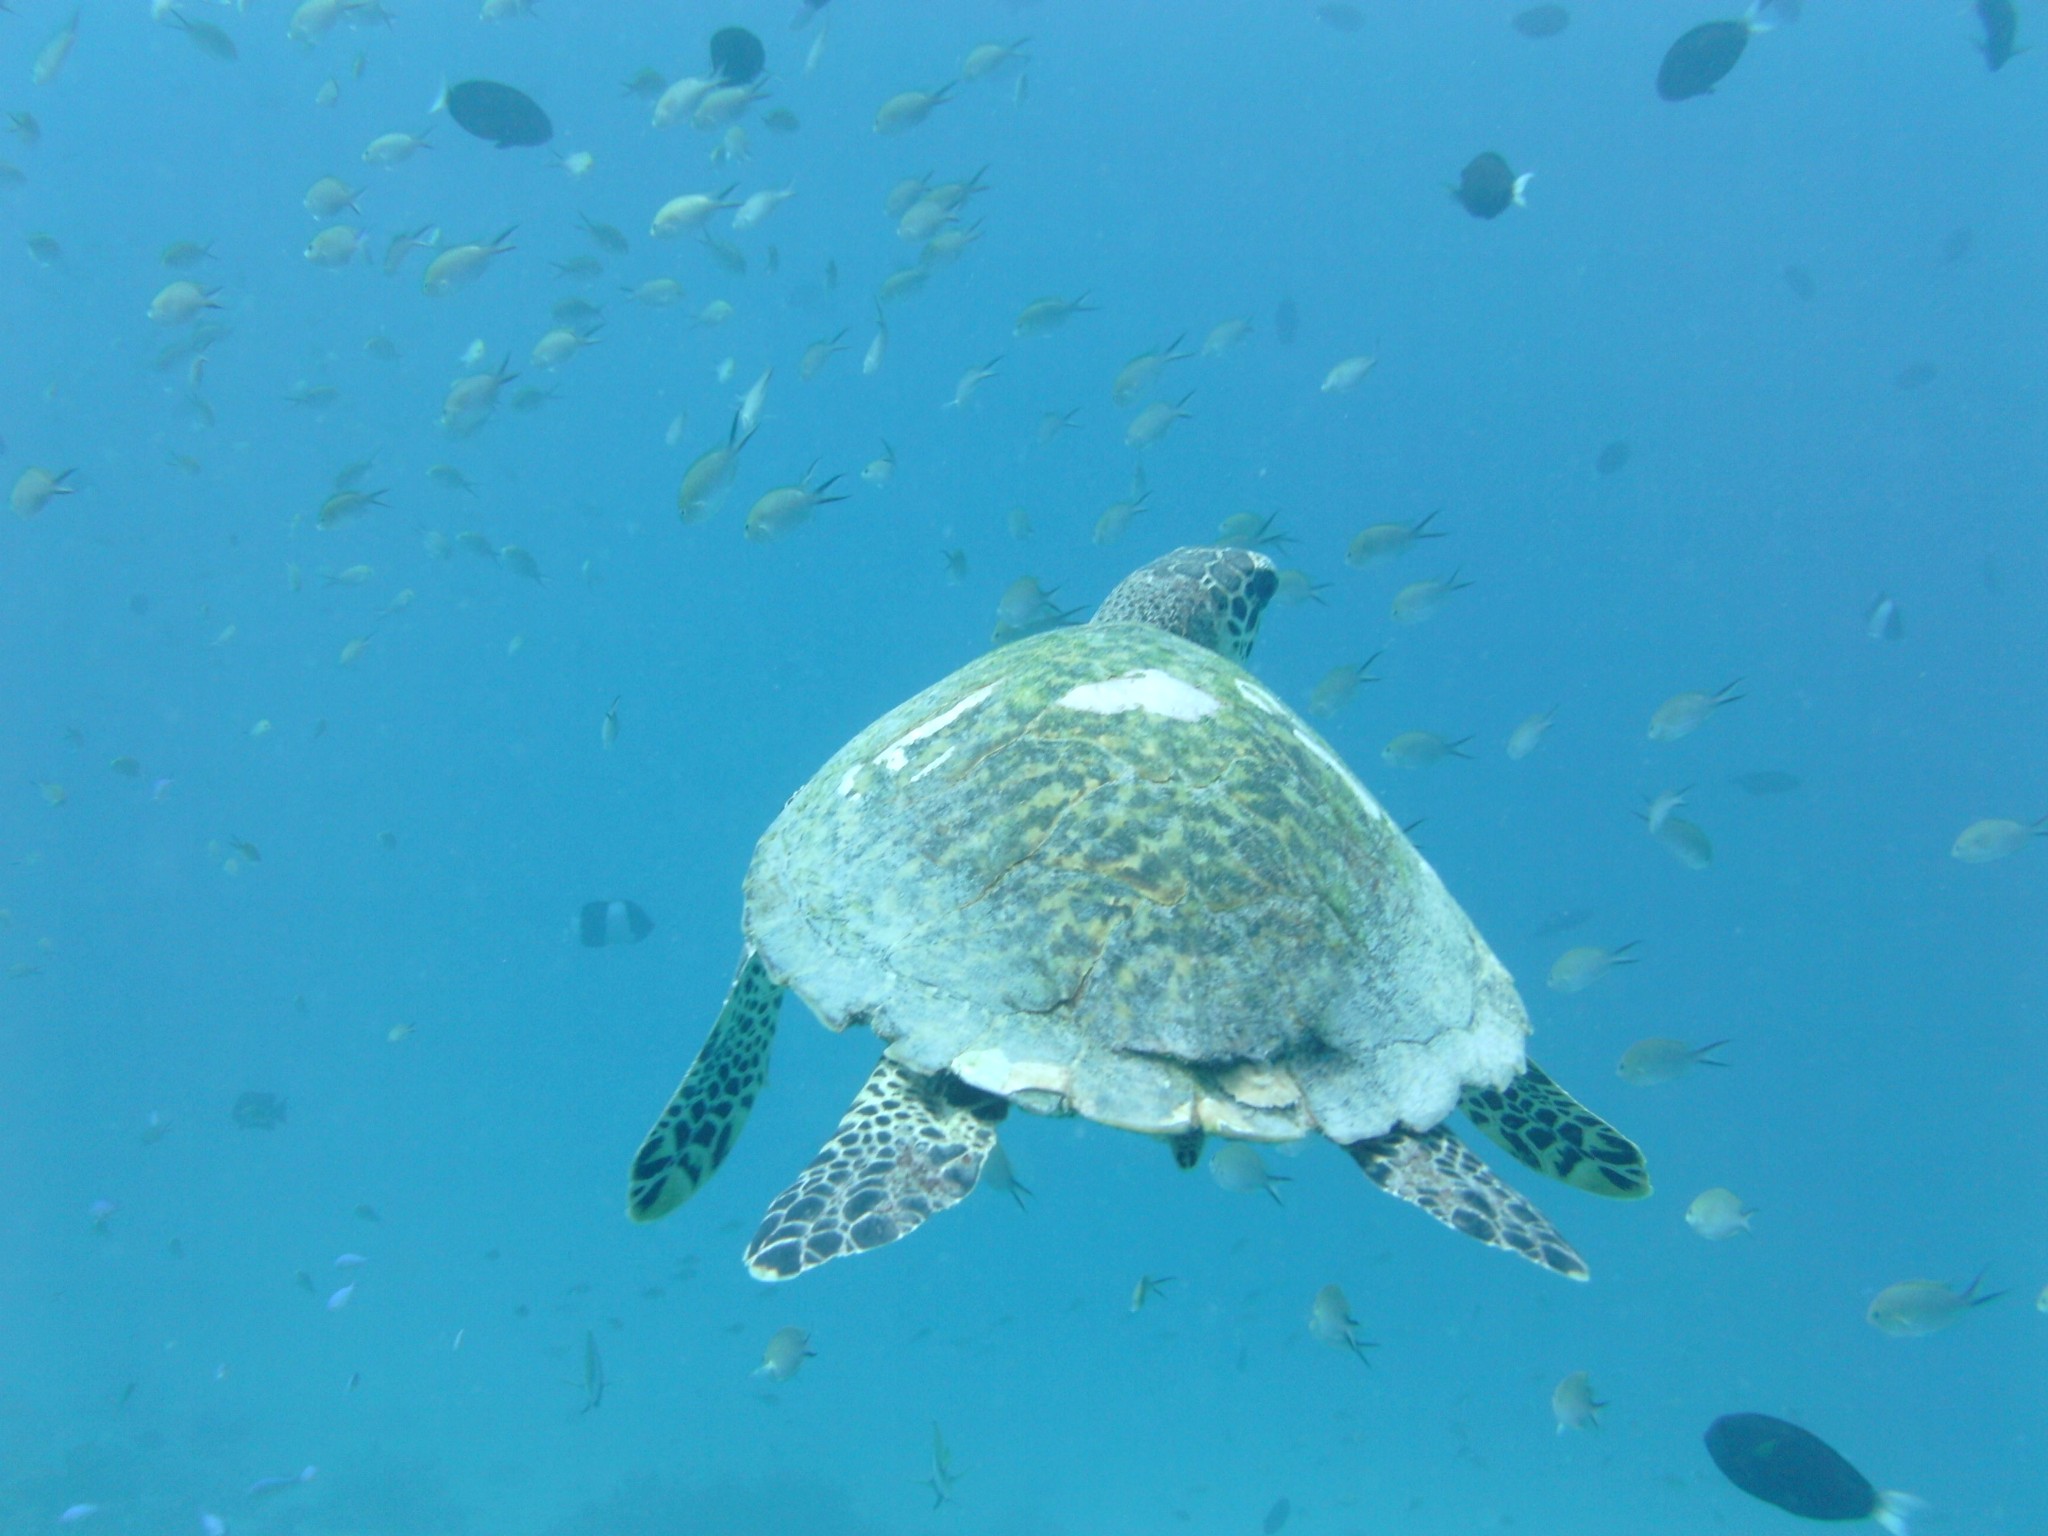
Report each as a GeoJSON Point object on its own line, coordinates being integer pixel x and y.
{"type": "Point", "coordinates": [1542, 21]}
{"type": "Point", "coordinates": [1613, 458]}
{"type": "Point", "coordinates": [645, 82]}
{"type": "Point", "coordinates": [1800, 281]}
{"type": "Point", "coordinates": [609, 237]}
{"type": "Point", "coordinates": [593, 1373]}
{"type": "Point", "coordinates": [213, 42]}
{"type": "Point", "coordinates": [1286, 321]}
{"type": "Point", "coordinates": [2001, 32]}
{"type": "Point", "coordinates": [1767, 781]}
{"type": "Point", "coordinates": [1915, 375]}
{"type": "Point", "coordinates": [1276, 1517]}
{"type": "Point", "coordinates": [1800, 1473]}
{"type": "Point", "coordinates": [1487, 188]}
{"type": "Point", "coordinates": [737, 55]}
{"type": "Point", "coordinates": [256, 1111]}
{"type": "Point", "coordinates": [613, 922]}
{"type": "Point", "coordinates": [505, 116]}
{"type": "Point", "coordinates": [1701, 59]}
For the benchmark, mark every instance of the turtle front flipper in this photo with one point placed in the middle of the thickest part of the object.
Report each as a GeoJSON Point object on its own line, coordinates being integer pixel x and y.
{"type": "Point", "coordinates": [1435, 1170]}
{"type": "Point", "coordinates": [703, 1119]}
{"type": "Point", "coordinates": [1542, 1127]}
{"type": "Point", "coordinates": [909, 1146]}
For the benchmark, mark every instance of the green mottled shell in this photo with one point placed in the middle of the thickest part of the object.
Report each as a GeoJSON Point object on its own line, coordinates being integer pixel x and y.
{"type": "Point", "coordinates": [1103, 871]}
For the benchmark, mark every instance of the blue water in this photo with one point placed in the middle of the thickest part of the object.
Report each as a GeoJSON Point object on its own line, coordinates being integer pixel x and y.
{"type": "Point", "coordinates": [1181, 165]}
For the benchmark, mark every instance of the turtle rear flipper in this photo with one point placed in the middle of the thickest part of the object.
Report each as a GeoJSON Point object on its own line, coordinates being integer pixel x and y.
{"type": "Point", "coordinates": [1435, 1170]}
{"type": "Point", "coordinates": [704, 1117]}
{"type": "Point", "coordinates": [909, 1146]}
{"type": "Point", "coordinates": [1542, 1127]}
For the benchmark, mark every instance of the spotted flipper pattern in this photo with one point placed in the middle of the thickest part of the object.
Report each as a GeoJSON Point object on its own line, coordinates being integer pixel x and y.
{"type": "Point", "coordinates": [908, 1147]}
{"type": "Point", "coordinates": [1435, 1170]}
{"type": "Point", "coordinates": [704, 1118]}
{"type": "Point", "coordinates": [1543, 1127]}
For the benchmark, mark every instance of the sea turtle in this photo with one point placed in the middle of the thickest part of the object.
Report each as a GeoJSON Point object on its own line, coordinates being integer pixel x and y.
{"type": "Point", "coordinates": [1103, 871]}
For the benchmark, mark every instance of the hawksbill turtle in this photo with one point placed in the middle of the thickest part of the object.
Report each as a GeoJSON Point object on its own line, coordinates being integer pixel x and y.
{"type": "Point", "coordinates": [1103, 871]}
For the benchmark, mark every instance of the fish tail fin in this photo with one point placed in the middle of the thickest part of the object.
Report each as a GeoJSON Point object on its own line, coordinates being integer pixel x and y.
{"type": "Point", "coordinates": [1522, 185]}
{"type": "Point", "coordinates": [1753, 17]}
{"type": "Point", "coordinates": [1895, 1511]}
{"type": "Point", "coordinates": [440, 103]}
{"type": "Point", "coordinates": [1971, 1292]}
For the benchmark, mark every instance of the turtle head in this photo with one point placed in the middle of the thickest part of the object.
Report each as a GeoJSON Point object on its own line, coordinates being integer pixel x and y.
{"type": "Point", "coordinates": [1213, 597]}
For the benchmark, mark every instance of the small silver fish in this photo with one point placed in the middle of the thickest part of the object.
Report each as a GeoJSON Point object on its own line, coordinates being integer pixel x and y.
{"type": "Point", "coordinates": [1148, 1286]}
{"type": "Point", "coordinates": [1238, 1168]}
{"type": "Point", "coordinates": [1573, 1405]}
{"type": "Point", "coordinates": [269, 1485]}
{"type": "Point", "coordinates": [882, 468]}
{"type": "Point", "coordinates": [1577, 969]}
{"type": "Point", "coordinates": [785, 1354]}
{"type": "Point", "coordinates": [1717, 1214]}
{"type": "Point", "coordinates": [1330, 1320]}
{"type": "Point", "coordinates": [1915, 1308]}
{"type": "Point", "coordinates": [1526, 737]}
{"type": "Point", "coordinates": [998, 1174]}
{"type": "Point", "coordinates": [1683, 713]}
{"type": "Point", "coordinates": [1656, 1060]}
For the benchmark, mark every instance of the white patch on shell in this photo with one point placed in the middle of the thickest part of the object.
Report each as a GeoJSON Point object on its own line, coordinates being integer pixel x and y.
{"type": "Point", "coordinates": [1260, 698]}
{"type": "Point", "coordinates": [996, 1071]}
{"type": "Point", "coordinates": [1155, 692]}
{"type": "Point", "coordinates": [1337, 766]}
{"type": "Point", "coordinates": [896, 758]}
{"type": "Point", "coordinates": [1261, 1087]}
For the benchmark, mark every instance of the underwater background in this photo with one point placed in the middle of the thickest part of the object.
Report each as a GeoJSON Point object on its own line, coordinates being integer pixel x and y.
{"type": "Point", "coordinates": [236, 864]}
